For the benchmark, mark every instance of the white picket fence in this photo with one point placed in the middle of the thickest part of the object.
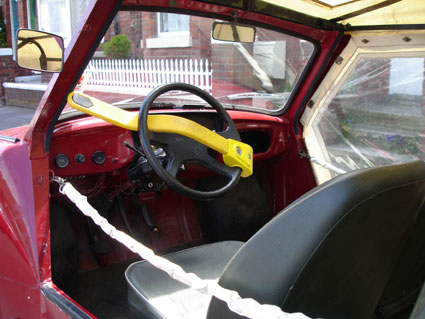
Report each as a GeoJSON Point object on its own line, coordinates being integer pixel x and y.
{"type": "Point", "coordinates": [134, 76]}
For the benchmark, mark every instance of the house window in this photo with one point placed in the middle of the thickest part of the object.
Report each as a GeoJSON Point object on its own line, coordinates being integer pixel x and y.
{"type": "Point", "coordinates": [170, 24]}
{"type": "Point", "coordinates": [173, 31]}
{"type": "Point", "coordinates": [77, 9]}
{"type": "Point", "coordinates": [55, 18]}
{"type": "Point", "coordinates": [60, 17]}
{"type": "Point", "coordinates": [32, 14]}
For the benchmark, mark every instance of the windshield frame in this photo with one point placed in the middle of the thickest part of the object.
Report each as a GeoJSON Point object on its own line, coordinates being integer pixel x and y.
{"type": "Point", "coordinates": [297, 84]}
{"type": "Point", "coordinates": [97, 19]}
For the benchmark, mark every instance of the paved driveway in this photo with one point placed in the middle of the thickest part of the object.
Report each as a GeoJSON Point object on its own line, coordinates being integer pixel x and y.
{"type": "Point", "coordinates": [13, 116]}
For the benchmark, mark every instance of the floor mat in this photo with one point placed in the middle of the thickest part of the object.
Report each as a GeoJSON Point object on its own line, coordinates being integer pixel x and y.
{"type": "Point", "coordinates": [104, 292]}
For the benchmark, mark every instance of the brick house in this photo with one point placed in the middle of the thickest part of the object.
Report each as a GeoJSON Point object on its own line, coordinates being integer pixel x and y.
{"type": "Point", "coordinates": [23, 87]}
{"type": "Point", "coordinates": [152, 35]}
{"type": "Point", "coordinates": [11, 17]}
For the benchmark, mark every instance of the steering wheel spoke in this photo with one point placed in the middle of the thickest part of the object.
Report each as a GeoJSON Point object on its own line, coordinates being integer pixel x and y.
{"type": "Point", "coordinates": [159, 138]}
{"type": "Point", "coordinates": [173, 166]}
{"type": "Point", "coordinates": [230, 132]}
{"type": "Point", "coordinates": [218, 167]}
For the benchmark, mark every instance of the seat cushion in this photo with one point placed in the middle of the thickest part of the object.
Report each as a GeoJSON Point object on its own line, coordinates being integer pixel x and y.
{"type": "Point", "coordinates": [153, 294]}
{"type": "Point", "coordinates": [331, 253]}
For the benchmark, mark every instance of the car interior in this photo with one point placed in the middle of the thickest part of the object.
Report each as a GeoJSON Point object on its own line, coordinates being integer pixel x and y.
{"type": "Point", "coordinates": [351, 247]}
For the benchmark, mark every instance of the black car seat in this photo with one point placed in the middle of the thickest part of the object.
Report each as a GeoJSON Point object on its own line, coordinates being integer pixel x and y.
{"type": "Point", "coordinates": [331, 254]}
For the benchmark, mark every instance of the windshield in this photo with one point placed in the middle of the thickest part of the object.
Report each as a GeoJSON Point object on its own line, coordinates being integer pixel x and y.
{"type": "Point", "coordinates": [142, 50]}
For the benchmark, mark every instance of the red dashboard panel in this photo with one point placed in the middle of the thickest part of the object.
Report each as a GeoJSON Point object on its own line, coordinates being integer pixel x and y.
{"type": "Point", "coordinates": [92, 146]}
{"type": "Point", "coordinates": [89, 137]}
{"type": "Point", "coordinates": [268, 135]}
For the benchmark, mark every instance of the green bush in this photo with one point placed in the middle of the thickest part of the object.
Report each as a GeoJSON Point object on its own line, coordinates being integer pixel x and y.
{"type": "Point", "coordinates": [118, 47]}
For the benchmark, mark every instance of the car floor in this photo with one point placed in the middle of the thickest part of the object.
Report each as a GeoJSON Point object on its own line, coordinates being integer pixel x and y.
{"type": "Point", "coordinates": [104, 291]}
{"type": "Point", "coordinates": [90, 267]}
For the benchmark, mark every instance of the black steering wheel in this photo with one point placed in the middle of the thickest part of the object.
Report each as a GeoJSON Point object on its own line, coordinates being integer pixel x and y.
{"type": "Point", "coordinates": [181, 149]}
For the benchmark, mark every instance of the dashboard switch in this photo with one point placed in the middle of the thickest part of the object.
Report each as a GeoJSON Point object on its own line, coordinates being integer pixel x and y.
{"type": "Point", "coordinates": [80, 158]}
{"type": "Point", "coordinates": [98, 157]}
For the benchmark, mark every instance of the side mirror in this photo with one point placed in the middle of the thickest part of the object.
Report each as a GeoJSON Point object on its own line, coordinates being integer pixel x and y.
{"type": "Point", "coordinates": [232, 32]}
{"type": "Point", "coordinates": [39, 51]}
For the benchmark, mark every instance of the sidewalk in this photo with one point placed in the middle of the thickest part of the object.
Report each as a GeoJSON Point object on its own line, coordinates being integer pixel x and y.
{"type": "Point", "coordinates": [13, 116]}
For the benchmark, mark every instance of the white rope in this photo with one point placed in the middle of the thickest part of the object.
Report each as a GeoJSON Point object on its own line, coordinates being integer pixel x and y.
{"type": "Point", "coordinates": [243, 306]}
{"type": "Point", "coordinates": [329, 166]}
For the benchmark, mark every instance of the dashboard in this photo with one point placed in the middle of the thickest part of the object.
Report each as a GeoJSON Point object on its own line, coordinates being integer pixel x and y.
{"type": "Point", "coordinates": [92, 146]}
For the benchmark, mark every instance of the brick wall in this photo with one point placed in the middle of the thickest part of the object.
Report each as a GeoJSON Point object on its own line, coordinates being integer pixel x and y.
{"type": "Point", "coordinates": [130, 24]}
{"type": "Point", "coordinates": [229, 67]}
{"type": "Point", "coordinates": [200, 29]}
{"type": "Point", "coordinates": [378, 89]}
{"type": "Point", "coordinates": [23, 17]}
{"type": "Point", "coordinates": [23, 14]}
{"type": "Point", "coordinates": [9, 69]}
{"type": "Point", "coordinates": [23, 98]}
{"type": "Point", "coordinates": [142, 26]}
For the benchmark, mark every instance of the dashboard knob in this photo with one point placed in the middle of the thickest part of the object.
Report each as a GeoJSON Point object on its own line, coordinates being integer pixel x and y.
{"type": "Point", "coordinates": [80, 158]}
{"type": "Point", "coordinates": [61, 160]}
{"type": "Point", "coordinates": [98, 157]}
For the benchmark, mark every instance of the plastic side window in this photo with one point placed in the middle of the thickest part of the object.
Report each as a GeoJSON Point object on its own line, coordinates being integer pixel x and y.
{"type": "Point", "coordinates": [371, 115]}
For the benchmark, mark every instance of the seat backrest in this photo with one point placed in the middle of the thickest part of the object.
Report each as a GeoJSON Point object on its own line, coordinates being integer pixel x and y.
{"type": "Point", "coordinates": [331, 253]}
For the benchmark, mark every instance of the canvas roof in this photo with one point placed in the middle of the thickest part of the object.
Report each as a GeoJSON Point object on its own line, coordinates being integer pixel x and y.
{"type": "Point", "coordinates": [360, 12]}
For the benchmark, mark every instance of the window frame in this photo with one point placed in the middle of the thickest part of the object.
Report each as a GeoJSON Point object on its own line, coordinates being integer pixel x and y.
{"type": "Point", "coordinates": [167, 34]}
{"type": "Point", "coordinates": [179, 39]}
{"type": "Point", "coordinates": [67, 34]}
{"type": "Point", "coordinates": [14, 24]}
